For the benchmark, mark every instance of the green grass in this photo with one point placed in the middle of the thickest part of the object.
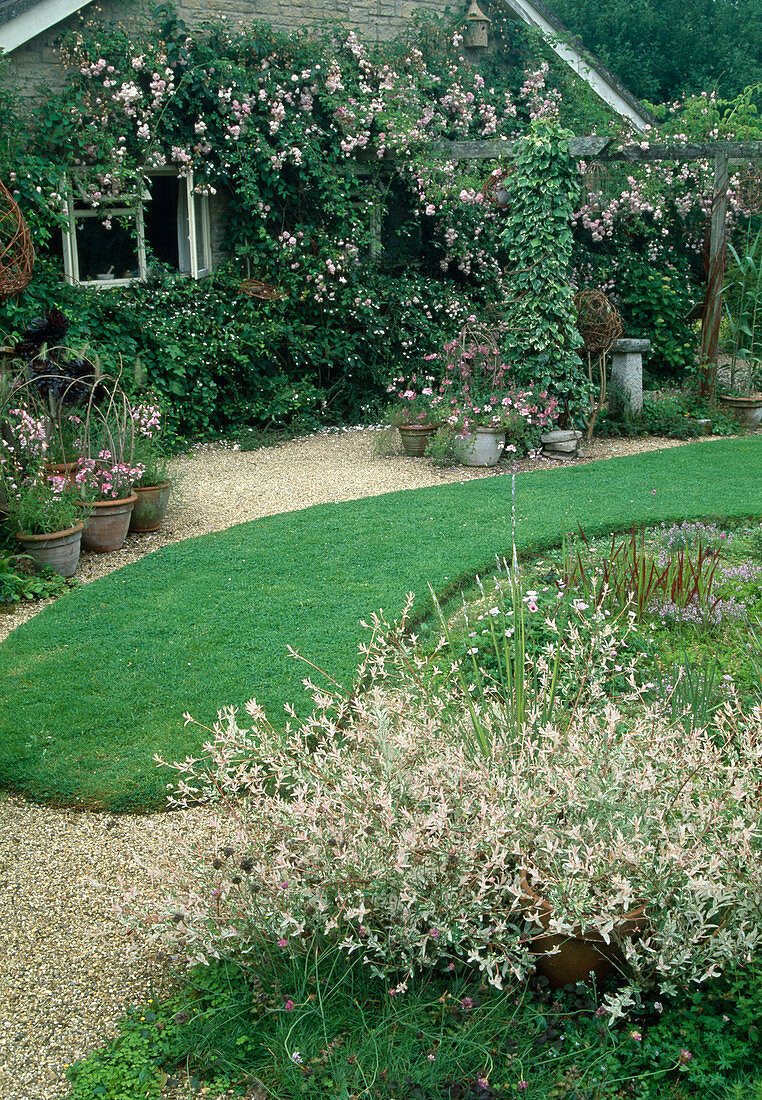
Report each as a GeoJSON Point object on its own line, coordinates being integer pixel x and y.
{"type": "Point", "coordinates": [99, 682]}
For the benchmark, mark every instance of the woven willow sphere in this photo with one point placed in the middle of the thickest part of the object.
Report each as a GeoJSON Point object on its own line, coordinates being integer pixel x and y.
{"type": "Point", "coordinates": [16, 249]}
{"type": "Point", "coordinates": [598, 321]}
{"type": "Point", "coordinates": [496, 189]}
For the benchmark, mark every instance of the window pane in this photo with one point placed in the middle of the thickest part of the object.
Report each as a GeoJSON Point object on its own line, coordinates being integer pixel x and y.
{"type": "Point", "coordinates": [102, 250]}
{"type": "Point", "coordinates": [198, 206]}
{"type": "Point", "coordinates": [160, 219]}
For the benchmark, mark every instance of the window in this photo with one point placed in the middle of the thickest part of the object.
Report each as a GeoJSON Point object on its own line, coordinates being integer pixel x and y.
{"type": "Point", "coordinates": [112, 242]}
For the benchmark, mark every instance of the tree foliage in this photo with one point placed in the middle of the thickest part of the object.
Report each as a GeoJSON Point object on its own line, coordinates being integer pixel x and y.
{"type": "Point", "coordinates": [663, 49]}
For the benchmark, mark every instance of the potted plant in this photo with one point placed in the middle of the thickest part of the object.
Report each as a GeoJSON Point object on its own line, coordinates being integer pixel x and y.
{"type": "Point", "coordinates": [60, 380]}
{"type": "Point", "coordinates": [105, 486]}
{"type": "Point", "coordinates": [743, 395]}
{"type": "Point", "coordinates": [153, 486]}
{"type": "Point", "coordinates": [46, 514]}
{"type": "Point", "coordinates": [484, 426]}
{"type": "Point", "coordinates": [65, 444]}
{"type": "Point", "coordinates": [482, 404]}
{"type": "Point", "coordinates": [416, 410]}
{"type": "Point", "coordinates": [107, 473]}
{"type": "Point", "coordinates": [746, 406]}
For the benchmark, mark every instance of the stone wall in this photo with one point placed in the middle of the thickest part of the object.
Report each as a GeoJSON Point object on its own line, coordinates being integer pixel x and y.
{"type": "Point", "coordinates": [378, 19]}
{"type": "Point", "coordinates": [36, 62]}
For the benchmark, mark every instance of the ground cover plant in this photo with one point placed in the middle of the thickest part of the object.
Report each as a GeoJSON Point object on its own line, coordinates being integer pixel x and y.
{"type": "Point", "coordinates": [205, 623]}
{"type": "Point", "coordinates": [693, 591]}
{"type": "Point", "coordinates": [448, 1038]}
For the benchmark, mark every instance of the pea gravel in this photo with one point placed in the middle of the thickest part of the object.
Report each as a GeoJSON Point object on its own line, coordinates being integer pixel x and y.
{"type": "Point", "coordinates": [69, 968]}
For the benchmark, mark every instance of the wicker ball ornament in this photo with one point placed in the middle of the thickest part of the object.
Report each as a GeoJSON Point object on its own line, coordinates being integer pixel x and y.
{"type": "Point", "coordinates": [598, 321]}
{"type": "Point", "coordinates": [496, 188]}
{"type": "Point", "coordinates": [16, 249]}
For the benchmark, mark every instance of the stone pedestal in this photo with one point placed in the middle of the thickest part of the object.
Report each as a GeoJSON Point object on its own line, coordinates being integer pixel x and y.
{"type": "Point", "coordinates": [626, 387]}
{"type": "Point", "coordinates": [560, 444]}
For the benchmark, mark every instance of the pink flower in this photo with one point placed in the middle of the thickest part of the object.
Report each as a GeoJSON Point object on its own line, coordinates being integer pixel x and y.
{"type": "Point", "coordinates": [282, 943]}
{"type": "Point", "coordinates": [289, 1006]}
{"type": "Point", "coordinates": [684, 1057]}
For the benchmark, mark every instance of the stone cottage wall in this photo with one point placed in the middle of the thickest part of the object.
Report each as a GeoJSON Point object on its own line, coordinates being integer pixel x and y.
{"type": "Point", "coordinates": [36, 62]}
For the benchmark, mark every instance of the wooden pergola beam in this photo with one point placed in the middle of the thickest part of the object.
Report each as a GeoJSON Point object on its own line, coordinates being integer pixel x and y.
{"type": "Point", "coordinates": [602, 149]}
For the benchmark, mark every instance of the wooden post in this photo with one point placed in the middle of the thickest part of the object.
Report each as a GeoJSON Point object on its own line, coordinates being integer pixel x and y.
{"type": "Point", "coordinates": [718, 249]}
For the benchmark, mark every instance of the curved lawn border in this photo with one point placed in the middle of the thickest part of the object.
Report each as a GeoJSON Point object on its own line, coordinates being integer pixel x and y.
{"type": "Point", "coordinates": [99, 681]}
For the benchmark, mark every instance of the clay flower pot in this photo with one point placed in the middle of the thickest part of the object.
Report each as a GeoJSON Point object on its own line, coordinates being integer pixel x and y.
{"type": "Point", "coordinates": [150, 507]}
{"type": "Point", "coordinates": [415, 438]}
{"type": "Point", "coordinates": [581, 954]}
{"type": "Point", "coordinates": [58, 551]}
{"type": "Point", "coordinates": [107, 524]}
{"type": "Point", "coordinates": [66, 469]}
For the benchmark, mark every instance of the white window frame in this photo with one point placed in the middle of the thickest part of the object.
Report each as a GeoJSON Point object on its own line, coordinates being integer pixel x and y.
{"type": "Point", "coordinates": [194, 254]}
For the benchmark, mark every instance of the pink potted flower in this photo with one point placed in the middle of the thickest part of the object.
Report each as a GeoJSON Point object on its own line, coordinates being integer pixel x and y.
{"type": "Point", "coordinates": [106, 486]}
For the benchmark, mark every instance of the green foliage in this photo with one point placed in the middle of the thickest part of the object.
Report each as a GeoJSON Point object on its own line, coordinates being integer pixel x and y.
{"type": "Point", "coordinates": [690, 690]}
{"type": "Point", "coordinates": [718, 1026]}
{"type": "Point", "coordinates": [673, 414]}
{"type": "Point", "coordinates": [655, 306]}
{"type": "Point", "coordinates": [21, 579]}
{"type": "Point", "coordinates": [379, 256]}
{"type": "Point", "coordinates": [130, 1067]}
{"type": "Point", "coordinates": [660, 54]}
{"type": "Point", "coordinates": [324, 1030]}
{"type": "Point", "coordinates": [542, 335]}
{"type": "Point", "coordinates": [743, 301]}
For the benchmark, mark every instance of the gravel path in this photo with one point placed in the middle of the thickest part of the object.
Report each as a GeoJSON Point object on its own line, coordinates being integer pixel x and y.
{"type": "Point", "coordinates": [69, 968]}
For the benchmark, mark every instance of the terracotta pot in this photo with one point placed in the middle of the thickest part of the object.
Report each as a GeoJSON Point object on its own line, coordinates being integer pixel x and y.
{"type": "Point", "coordinates": [150, 507]}
{"type": "Point", "coordinates": [59, 550]}
{"type": "Point", "coordinates": [107, 524]}
{"type": "Point", "coordinates": [481, 447]}
{"type": "Point", "coordinates": [747, 409]}
{"type": "Point", "coordinates": [580, 954]}
{"type": "Point", "coordinates": [66, 469]}
{"type": "Point", "coordinates": [415, 438]}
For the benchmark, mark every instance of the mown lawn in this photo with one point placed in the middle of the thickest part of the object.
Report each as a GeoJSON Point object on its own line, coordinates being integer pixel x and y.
{"type": "Point", "coordinates": [99, 682]}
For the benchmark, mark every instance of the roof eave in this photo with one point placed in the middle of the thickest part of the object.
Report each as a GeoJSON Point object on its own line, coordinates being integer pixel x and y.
{"type": "Point", "coordinates": [28, 21]}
